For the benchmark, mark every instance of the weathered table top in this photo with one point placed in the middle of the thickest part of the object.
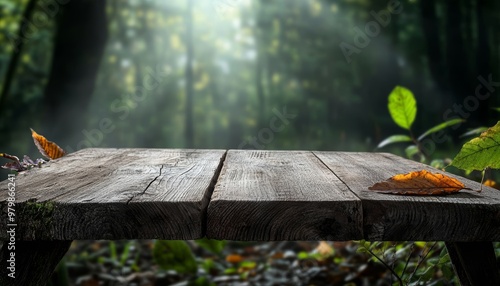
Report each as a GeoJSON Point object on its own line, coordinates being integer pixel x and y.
{"type": "Point", "coordinates": [239, 195]}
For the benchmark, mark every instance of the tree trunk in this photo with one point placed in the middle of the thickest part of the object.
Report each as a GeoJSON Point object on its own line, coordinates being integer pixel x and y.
{"type": "Point", "coordinates": [17, 45]}
{"type": "Point", "coordinates": [259, 67]}
{"type": "Point", "coordinates": [483, 58]}
{"type": "Point", "coordinates": [458, 70]}
{"type": "Point", "coordinates": [189, 129]}
{"type": "Point", "coordinates": [431, 35]}
{"type": "Point", "coordinates": [79, 46]}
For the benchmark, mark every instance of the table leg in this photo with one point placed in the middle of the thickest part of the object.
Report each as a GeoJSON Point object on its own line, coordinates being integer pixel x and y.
{"type": "Point", "coordinates": [34, 261]}
{"type": "Point", "coordinates": [474, 263]}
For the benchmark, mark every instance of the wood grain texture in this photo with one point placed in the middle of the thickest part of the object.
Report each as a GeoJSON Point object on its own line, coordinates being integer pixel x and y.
{"type": "Point", "coordinates": [115, 194]}
{"type": "Point", "coordinates": [465, 216]}
{"type": "Point", "coordinates": [281, 195]}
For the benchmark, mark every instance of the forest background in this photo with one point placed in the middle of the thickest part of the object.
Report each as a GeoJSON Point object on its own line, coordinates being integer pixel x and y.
{"type": "Point", "coordinates": [253, 74]}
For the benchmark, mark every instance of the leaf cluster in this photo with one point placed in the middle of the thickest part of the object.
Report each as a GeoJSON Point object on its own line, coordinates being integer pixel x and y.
{"type": "Point", "coordinates": [412, 263]}
{"type": "Point", "coordinates": [402, 107]}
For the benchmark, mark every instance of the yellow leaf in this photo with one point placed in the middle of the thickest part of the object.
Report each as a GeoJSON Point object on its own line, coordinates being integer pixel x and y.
{"type": "Point", "coordinates": [491, 183]}
{"type": "Point", "coordinates": [324, 248]}
{"type": "Point", "coordinates": [48, 148]}
{"type": "Point", "coordinates": [419, 183]}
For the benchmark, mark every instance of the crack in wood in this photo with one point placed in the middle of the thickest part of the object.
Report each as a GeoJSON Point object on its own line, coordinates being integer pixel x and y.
{"type": "Point", "coordinates": [338, 177]}
{"type": "Point", "coordinates": [208, 195]}
{"type": "Point", "coordinates": [147, 187]}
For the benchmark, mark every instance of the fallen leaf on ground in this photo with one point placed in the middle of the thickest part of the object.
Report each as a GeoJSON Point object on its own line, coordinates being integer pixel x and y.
{"type": "Point", "coordinates": [48, 148]}
{"type": "Point", "coordinates": [324, 248]}
{"type": "Point", "coordinates": [234, 258]}
{"type": "Point", "coordinates": [491, 183]}
{"type": "Point", "coordinates": [419, 183]}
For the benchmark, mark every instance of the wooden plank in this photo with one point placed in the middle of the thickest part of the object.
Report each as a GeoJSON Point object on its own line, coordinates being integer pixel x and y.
{"type": "Point", "coordinates": [34, 263]}
{"type": "Point", "coordinates": [474, 262]}
{"type": "Point", "coordinates": [281, 195]}
{"type": "Point", "coordinates": [116, 194]}
{"type": "Point", "coordinates": [465, 216]}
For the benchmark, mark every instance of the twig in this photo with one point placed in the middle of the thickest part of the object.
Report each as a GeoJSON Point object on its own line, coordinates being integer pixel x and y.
{"type": "Point", "coordinates": [421, 259]}
{"type": "Point", "coordinates": [407, 260]}
{"type": "Point", "coordinates": [387, 266]}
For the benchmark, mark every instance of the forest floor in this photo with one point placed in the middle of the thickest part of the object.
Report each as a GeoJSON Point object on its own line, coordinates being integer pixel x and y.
{"type": "Point", "coordinates": [92, 263]}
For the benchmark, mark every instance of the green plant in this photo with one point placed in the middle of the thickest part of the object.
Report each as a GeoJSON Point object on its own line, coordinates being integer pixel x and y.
{"type": "Point", "coordinates": [481, 152]}
{"type": "Point", "coordinates": [411, 263]}
{"type": "Point", "coordinates": [177, 255]}
{"type": "Point", "coordinates": [403, 109]}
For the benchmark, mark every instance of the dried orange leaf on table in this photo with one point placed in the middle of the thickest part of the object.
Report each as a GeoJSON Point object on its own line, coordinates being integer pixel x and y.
{"type": "Point", "coordinates": [419, 183]}
{"type": "Point", "coordinates": [48, 148]}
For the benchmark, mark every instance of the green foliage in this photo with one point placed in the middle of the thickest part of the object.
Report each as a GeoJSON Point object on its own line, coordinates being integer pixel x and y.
{"type": "Point", "coordinates": [440, 127]}
{"type": "Point", "coordinates": [481, 152]}
{"type": "Point", "coordinates": [201, 281]}
{"type": "Point", "coordinates": [402, 107]}
{"type": "Point", "coordinates": [123, 257]}
{"type": "Point", "coordinates": [176, 255]}
{"type": "Point", "coordinates": [475, 131]}
{"type": "Point", "coordinates": [414, 263]}
{"type": "Point", "coordinates": [394, 139]}
{"type": "Point", "coordinates": [212, 245]}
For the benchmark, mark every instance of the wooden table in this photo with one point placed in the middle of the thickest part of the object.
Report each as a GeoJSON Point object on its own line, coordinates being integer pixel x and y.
{"type": "Point", "coordinates": [238, 195]}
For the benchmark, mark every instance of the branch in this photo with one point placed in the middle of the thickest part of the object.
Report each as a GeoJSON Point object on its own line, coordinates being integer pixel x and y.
{"type": "Point", "coordinates": [387, 266]}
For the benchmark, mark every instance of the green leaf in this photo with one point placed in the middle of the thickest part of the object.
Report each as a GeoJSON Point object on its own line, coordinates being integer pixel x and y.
{"type": "Point", "coordinates": [112, 250]}
{"type": "Point", "coordinates": [437, 163]}
{"type": "Point", "coordinates": [374, 245]}
{"type": "Point", "coordinates": [208, 264]}
{"type": "Point", "coordinates": [448, 272]}
{"type": "Point", "coordinates": [402, 107]}
{"type": "Point", "coordinates": [176, 255]}
{"type": "Point", "coordinates": [420, 244]}
{"type": "Point", "coordinates": [394, 139]}
{"type": "Point", "coordinates": [496, 109]}
{"type": "Point", "coordinates": [125, 253]}
{"type": "Point", "coordinates": [474, 131]}
{"type": "Point", "coordinates": [230, 271]}
{"type": "Point", "coordinates": [248, 264]}
{"type": "Point", "coordinates": [212, 245]}
{"type": "Point", "coordinates": [440, 127]}
{"type": "Point", "coordinates": [411, 151]}
{"type": "Point", "coordinates": [480, 152]}
{"type": "Point", "coordinates": [201, 281]}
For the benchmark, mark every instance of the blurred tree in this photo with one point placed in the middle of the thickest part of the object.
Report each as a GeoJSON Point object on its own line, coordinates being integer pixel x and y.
{"type": "Point", "coordinates": [430, 27]}
{"type": "Point", "coordinates": [189, 128]}
{"type": "Point", "coordinates": [17, 44]}
{"type": "Point", "coordinates": [230, 67]}
{"type": "Point", "coordinates": [80, 40]}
